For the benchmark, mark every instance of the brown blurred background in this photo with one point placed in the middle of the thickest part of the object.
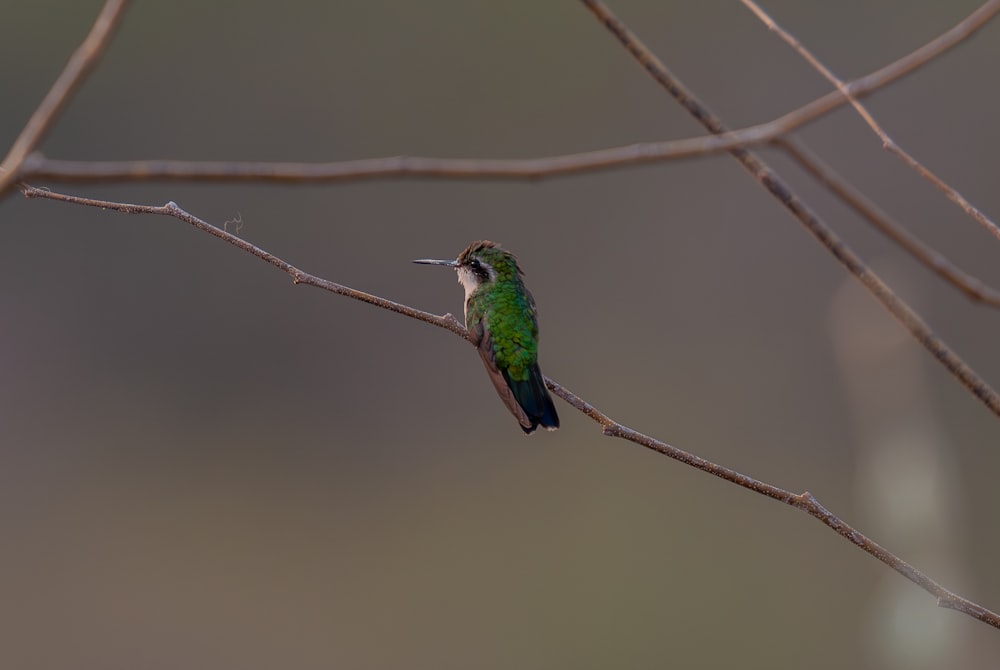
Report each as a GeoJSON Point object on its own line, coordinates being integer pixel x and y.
{"type": "Point", "coordinates": [204, 466]}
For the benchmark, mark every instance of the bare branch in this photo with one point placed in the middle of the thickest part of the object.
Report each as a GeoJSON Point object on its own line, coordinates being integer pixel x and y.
{"type": "Point", "coordinates": [804, 501]}
{"type": "Point", "coordinates": [972, 287]}
{"type": "Point", "coordinates": [298, 276]}
{"type": "Point", "coordinates": [887, 142]}
{"type": "Point", "coordinates": [38, 166]}
{"type": "Point", "coordinates": [767, 178]}
{"type": "Point", "coordinates": [79, 65]}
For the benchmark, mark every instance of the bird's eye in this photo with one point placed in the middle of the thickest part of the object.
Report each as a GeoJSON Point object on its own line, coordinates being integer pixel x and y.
{"type": "Point", "coordinates": [476, 265]}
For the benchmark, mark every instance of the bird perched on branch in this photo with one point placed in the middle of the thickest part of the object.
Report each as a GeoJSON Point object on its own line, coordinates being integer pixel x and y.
{"type": "Point", "coordinates": [501, 319]}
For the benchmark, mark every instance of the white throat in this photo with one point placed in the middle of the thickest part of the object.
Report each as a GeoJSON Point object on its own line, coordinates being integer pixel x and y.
{"type": "Point", "coordinates": [468, 281]}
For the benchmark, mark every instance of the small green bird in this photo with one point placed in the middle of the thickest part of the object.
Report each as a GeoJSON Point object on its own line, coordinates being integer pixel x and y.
{"type": "Point", "coordinates": [500, 317]}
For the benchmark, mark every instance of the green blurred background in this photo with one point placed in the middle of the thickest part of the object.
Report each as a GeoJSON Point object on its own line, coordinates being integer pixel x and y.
{"type": "Point", "coordinates": [204, 466]}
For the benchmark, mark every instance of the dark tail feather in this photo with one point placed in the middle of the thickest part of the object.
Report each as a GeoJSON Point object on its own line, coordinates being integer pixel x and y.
{"type": "Point", "coordinates": [535, 400]}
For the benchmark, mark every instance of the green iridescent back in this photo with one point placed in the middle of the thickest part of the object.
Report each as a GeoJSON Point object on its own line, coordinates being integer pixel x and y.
{"type": "Point", "coordinates": [507, 310]}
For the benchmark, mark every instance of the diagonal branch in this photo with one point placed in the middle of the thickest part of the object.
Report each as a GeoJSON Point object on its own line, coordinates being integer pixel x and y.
{"type": "Point", "coordinates": [40, 167]}
{"type": "Point", "coordinates": [298, 276]}
{"type": "Point", "coordinates": [887, 142]}
{"type": "Point", "coordinates": [77, 68]}
{"type": "Point", "coordinates": [972, 287]}
{"type": "Point", "coordinates": [804, 501]}
{"type": "Point", "coordinates": [770, 180]}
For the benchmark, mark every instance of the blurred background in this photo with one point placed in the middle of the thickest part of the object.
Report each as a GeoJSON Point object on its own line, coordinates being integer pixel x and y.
{"type": "Point", "coordinates": [202, 465]}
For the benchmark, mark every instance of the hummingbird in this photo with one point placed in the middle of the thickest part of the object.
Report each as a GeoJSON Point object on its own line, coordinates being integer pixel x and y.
{"type": "Point", "coordinates": [501, 319]}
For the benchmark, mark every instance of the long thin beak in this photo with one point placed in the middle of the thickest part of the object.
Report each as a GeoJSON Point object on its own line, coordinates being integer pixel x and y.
{"type": "Point", "coordinates": [430, 261]}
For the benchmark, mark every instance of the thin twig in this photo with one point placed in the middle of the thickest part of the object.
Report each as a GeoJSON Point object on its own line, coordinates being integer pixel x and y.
{"type": "Point", "coordinates": [79, 65]}
{"type": "Point", "coordinates": [298, 276]}
{"type": "Point", "coordinates": [972, 287]}
{"type": "Point", "coordinates": [767, 178]}
{"type": "Point", "coordinates": [887, 142]}
{"type": "Point", "coordinates": [804, 501]}
{"type": "Point", "coordinates": [38, 166]}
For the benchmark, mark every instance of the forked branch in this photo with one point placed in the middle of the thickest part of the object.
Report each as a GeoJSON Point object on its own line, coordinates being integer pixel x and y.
{"type": "Point", "coordinates": [777, 187]}
{"type": "Point", "coordinates": [887, 142]}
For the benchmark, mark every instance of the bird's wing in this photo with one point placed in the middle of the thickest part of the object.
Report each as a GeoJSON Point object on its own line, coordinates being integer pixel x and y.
{"type": "Point", "coordinates": [484, 344]}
